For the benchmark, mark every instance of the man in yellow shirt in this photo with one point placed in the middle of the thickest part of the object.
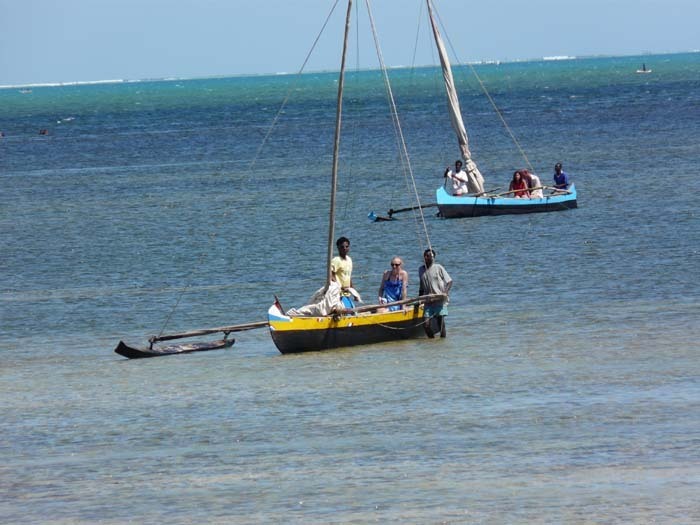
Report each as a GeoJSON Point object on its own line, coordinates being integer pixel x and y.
{"type": "Point", "coordinates": [341, 270]}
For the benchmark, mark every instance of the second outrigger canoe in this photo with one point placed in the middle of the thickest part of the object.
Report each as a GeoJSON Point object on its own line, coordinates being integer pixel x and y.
{"type": "Point", "coordinates": [452, 207]}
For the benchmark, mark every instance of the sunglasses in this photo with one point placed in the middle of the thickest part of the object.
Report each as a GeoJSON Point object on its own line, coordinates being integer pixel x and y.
{"type": "Point", "coordinates": [396, 264]}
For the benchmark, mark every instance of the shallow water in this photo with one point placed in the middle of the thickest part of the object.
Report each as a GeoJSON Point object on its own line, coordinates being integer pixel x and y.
{"type": "Point", "coordinates": [566, 391]}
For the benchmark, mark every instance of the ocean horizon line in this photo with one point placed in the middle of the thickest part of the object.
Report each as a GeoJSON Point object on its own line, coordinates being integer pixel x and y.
{"type": "Point", "coordinates": [547, 58]}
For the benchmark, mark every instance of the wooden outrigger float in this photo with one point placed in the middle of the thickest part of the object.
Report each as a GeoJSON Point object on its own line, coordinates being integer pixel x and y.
{"type": "Point", "coordinates": [133, 352]}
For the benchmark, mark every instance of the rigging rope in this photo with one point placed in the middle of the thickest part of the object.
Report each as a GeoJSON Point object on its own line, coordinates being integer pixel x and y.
{"type": "Point", "coordinates": [25, 296]}
{"type": "Point", "coordinates": [415, 43]}
{"type": "Point", "coordinates": [405, 158]}
{"type": "Point", "coordinates": [289, 92]}
{"type": "Point", "coordinates": [350, 194]}
{"type": "Point", "coordinates": [254, 160]}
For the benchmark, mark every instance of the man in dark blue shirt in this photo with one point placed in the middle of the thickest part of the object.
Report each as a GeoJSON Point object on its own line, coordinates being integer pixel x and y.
{"type": "Point", "coordinates": [561, 179]}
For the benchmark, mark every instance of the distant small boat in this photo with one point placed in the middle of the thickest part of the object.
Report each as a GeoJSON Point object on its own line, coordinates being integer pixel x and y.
{"type": "Point", "coordinates": [25, 91]}
{"type": "Point", "coordinates": [644, 69]}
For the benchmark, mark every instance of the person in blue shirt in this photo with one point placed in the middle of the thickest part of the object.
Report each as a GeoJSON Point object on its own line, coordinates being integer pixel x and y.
{"type": "Point", "coordinates": [561, 179]}
{"type": "Point", "coordinates": [394, 285]}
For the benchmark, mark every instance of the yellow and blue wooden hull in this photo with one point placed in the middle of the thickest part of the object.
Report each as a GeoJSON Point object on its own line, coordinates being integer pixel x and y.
{"type": "Point", "coordinates": [309, 334]}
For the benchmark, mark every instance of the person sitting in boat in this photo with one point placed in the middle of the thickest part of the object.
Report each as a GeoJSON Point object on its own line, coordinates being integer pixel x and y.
{"type": "Point", "coordinates": [533, 182]}
{"type": "Point", "coordinates": [518, 187]}
{"type": "Point", "coordinates": [394, 284]}
{"type": "Point", "coordinates": [341, 271]}
{"type": "Point", "coordinates": [324, 301]}
{"type": "Point", "coordinates": [459, 179]}
{"type": "Point", "coordinates": [434, 279]}
{"type": "Point", "coordinates": [561, 179]}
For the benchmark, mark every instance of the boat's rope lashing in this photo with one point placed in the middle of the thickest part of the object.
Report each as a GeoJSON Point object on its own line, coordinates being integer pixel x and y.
{"type": "Point", "coordinates": [398, 328]}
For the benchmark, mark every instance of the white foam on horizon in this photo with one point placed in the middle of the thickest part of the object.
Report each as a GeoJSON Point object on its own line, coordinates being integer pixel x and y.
{"type": "Point", "coordinates": [559, 57]}
{"type": "Point", "coordinates": [58, 84]}
{"type": "Point", "coordinates": [283, 73]}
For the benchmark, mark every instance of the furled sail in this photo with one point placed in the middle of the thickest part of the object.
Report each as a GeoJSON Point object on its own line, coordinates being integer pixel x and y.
{"type": "Point", "coordinates": [475, 183]}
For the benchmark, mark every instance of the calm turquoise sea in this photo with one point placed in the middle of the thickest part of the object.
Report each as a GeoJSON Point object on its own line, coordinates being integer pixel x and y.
{"type": "Point", "coordinates": [567, 390]}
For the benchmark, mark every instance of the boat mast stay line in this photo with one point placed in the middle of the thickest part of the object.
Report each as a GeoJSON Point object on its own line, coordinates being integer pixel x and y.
{"type": "Point", "coordinates": [196, 266]}
{"type": "Point", "coordinates": [488, 96]}
{"type": "Point", "coordinates": [289, 93]}
{"type": "Point", "coordinates": [405, 157]}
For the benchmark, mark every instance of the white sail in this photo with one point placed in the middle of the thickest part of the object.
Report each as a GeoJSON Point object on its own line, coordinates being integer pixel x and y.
{"type": "Point", "coordinates": [475, 183]}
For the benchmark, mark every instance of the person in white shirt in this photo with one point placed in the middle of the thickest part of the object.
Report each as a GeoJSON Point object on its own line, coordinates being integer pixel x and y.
{"type": "Point", "coordinates": [459, 179]}
{"type": "Point", "coordinates": [533, 181]}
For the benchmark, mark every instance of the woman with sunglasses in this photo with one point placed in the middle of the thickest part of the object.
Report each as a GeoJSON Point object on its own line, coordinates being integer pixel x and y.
{"type": "Point", "coordinates": [394, 284]}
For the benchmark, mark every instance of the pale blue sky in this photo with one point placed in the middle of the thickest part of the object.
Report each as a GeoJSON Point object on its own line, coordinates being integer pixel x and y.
{"type": "Point", "coordinates": [81, 40]}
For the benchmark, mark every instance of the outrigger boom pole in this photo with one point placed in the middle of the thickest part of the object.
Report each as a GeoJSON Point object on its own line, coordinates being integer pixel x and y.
{"type": "Point", "coordinates": [224, 329]}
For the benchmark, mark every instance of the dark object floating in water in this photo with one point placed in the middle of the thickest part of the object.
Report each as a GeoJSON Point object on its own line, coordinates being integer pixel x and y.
{"type": "Point", "coordinates": [137, 353]}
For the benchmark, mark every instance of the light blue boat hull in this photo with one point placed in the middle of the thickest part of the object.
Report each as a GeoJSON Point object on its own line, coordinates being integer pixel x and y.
{"type": "Point", "coordinates": [452, 207]}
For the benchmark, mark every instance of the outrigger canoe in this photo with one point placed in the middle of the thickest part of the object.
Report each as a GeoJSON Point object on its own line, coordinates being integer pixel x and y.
{"type": "Point", "coordinates": [335, 326]}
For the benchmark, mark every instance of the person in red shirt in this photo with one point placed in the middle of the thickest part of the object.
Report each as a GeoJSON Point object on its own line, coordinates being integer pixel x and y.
{"type": "Point", "coordinates": [519, 187]}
